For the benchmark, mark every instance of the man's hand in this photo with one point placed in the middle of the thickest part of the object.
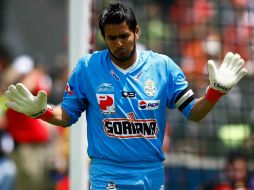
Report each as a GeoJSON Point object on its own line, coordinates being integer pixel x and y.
{"type": "Point", "coordinates": [229, 73]}
{"type": "Point", "coordinates": [223, 79]}
{"type": "Point", "coordinates": [21, 100]}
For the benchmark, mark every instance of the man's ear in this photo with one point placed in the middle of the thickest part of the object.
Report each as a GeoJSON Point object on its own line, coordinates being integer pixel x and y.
{"type": "Point", "coordinates": [137, 32]}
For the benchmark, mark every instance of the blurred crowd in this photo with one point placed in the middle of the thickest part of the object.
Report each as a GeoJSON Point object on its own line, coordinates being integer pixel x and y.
{"type": "Point", "coordinates": [203, 30]}
{"type": "Point", "coordinates": [235, 174]}
{"type": "Point", "coordinates": [34, 154]}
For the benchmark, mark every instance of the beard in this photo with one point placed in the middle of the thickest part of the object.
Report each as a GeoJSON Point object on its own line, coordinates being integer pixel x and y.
{"type": "Point", "coordinates": [123, 58]}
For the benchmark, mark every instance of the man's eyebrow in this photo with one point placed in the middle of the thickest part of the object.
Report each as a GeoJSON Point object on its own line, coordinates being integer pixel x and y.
{"type": "Point", "coordinates": [123, 34]}
{"type": "Point", "coordinates": [111, 35]}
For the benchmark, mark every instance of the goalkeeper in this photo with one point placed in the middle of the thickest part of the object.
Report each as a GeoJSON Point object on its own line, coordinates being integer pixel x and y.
{"type": "Point", "coordinates": [124, 92]}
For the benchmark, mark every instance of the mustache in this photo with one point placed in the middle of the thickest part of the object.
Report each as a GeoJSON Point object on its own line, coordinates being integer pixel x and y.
{"type": "Point", "coordinates": [123, 58]}
{"type": "Point", "coordinates": [121, 49]}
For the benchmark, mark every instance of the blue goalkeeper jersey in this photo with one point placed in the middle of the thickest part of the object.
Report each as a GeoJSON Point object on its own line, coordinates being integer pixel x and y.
{"type": "Point", "coordinates": [126, 112]}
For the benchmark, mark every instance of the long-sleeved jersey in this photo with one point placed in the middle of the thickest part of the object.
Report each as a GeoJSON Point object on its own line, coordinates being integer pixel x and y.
{"type": "Point", "coordinates": [126, 111]}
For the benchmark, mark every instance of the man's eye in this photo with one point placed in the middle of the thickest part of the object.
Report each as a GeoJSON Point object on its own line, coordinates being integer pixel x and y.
{"type": "Point", "coordinates": [124, 36]}
{"type": "Point", "coordinates": [111, 38]}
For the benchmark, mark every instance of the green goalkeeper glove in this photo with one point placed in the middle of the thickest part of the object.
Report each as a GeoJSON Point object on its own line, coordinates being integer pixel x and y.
{"type": "Point", "coordinates": [21, 100]}
{"type": "Point", "coordinates": [223, 79]}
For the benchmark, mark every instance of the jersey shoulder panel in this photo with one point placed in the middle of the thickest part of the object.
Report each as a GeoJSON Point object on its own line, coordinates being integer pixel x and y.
{"type": "Point", "coordinates": [164, 63]}
{"type": "Point", "coordinates": [94, 59]}
{"type": "Point", "coordinates": [90, 61]}
{"type": "Point", "coordinates": [158, 58]}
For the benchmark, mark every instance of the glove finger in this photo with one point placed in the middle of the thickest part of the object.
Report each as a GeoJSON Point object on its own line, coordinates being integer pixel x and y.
{"type": "Point", "coordinates": [12, 98]}
{"type": "Point", "coordinates": [14, 106]}
{"type": "Point", "coordinates": [41, 98]}
{"type": "Point", "coordinates": [238, 65]}
{"type": "Point", "coordinates": [14, 92]}
{"type": "Point", "coordinates": [11, 88]}
{"type": "Point", "coordinates": [240, 75]}
{"type": "Point", "coordinates": [226, 61]}
{"type": "Point", "coordinates": [24, 91]}
{"type": "Point", "coordinates": [234, 62]}
{"type": "Point", "coordinates": [212, 70]}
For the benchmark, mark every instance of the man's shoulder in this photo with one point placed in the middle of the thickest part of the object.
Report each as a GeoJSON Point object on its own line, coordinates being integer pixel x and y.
{"type": "Point", "coordinates": [92, 59]}
{"type": "Point", "coordinates": [158, 58]}
{"type": "Point", "coordinates": [94, 55]}
{"type": "Point", "coordinates": [155, 55]}
{"type": "Point", "coordinates": [103, 52]}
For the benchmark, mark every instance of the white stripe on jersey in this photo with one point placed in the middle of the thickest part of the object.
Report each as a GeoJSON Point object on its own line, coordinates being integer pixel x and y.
{"type": "Point", "coordinates": [184, 98]}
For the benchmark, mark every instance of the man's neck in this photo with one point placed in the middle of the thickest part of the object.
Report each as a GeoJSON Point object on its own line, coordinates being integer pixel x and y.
{"type": "Point", "coordinates": [125, 64]}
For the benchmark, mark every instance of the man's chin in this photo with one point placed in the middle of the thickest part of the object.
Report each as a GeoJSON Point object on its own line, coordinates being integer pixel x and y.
{"type": "Point", "coordinates": [121, 58]}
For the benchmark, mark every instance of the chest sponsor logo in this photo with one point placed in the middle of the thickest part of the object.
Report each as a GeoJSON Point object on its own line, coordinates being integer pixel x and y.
{"type": "Point", "coordinates": [105, 98]}
{"type": "Point", "coordinates": [150, 88]}
{"type": "Point", "coordinates": [130, 127]}
{"type": "Point", "coordinates": [106, 103]}
{"type": "Point", "coordinates": [148, 104]}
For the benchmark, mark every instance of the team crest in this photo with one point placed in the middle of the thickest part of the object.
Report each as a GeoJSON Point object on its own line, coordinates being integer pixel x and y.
{"type": "Point", "coordinates": [150, 88]}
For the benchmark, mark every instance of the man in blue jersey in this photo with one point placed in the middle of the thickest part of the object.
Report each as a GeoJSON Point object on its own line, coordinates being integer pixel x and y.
{"type": "Point", "coordinates": [125, 93]}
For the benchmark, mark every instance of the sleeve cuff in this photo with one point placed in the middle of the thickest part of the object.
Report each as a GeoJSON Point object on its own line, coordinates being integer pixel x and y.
{"type": "Point", "coordinates": [213, 95]}
{"type": "Point", "coordinates": [47, 115]}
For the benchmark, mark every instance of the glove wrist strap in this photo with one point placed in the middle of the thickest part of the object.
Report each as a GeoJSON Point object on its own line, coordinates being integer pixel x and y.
{"type": "Point", "coordinates": [213, 95]}
{"type": "Point", "coordinates": [47, 115]}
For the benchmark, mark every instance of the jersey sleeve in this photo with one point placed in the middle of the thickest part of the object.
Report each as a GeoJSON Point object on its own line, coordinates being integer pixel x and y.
{"type": "Point", "coordinates": [180, 96]}
{"type": "Point", "coordinates": [74, 100]}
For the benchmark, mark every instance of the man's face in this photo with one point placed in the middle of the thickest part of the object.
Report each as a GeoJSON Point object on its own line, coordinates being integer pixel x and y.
{"type": "Point", "coordinates": [240, 169]}
{"type": "Point", "coordinates": [121, 41]}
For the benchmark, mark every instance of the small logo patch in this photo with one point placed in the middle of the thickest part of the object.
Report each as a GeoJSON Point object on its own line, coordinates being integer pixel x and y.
{"type": "Point", "coordinates": [111, 186]}
{"type": "Point", "coordinates": [127, 94]}
{"type": "Point", "coordinates": [68, 89]}
{"type": "Point", "coordinates": [112, 72]}
{"type": "Point", "coordinates": [105, 88]}
{"type": "Point", "coordinates": [137, 76]}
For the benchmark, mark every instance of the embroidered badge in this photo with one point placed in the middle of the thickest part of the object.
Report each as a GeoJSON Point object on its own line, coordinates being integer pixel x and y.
{"type": "Point", "coordinates": [150, 88]}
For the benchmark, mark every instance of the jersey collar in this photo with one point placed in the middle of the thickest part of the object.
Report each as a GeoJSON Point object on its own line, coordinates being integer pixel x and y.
{"type": "Point", "coordinates": [125, 71]}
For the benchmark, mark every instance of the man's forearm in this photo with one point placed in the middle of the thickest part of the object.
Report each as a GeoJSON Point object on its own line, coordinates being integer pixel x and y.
{"type": "Point", "coordinates": [200, 109]}
{"type": "Point", "coordinates": [56, 116]}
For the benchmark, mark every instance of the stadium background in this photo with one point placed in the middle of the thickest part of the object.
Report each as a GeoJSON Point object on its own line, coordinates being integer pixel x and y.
{"type": "Point", "coordinates": [190, 32]}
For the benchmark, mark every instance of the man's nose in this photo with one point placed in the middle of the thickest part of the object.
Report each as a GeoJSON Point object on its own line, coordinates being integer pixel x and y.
{"type": "Point", "coordinates": [118, 42]}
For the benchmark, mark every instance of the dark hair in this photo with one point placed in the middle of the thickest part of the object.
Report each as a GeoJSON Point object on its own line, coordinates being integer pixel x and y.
{"type": "Point", "coordinates": [235, 155]}
{"type": "Point", "coordinates": [117, 13]}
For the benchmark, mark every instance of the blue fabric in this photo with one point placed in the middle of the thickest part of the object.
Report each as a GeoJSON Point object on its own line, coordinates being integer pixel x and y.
{"type": "Point", "coordinates": [126, 176]}
{"type": "Point", "coordinates": [126, 112]}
